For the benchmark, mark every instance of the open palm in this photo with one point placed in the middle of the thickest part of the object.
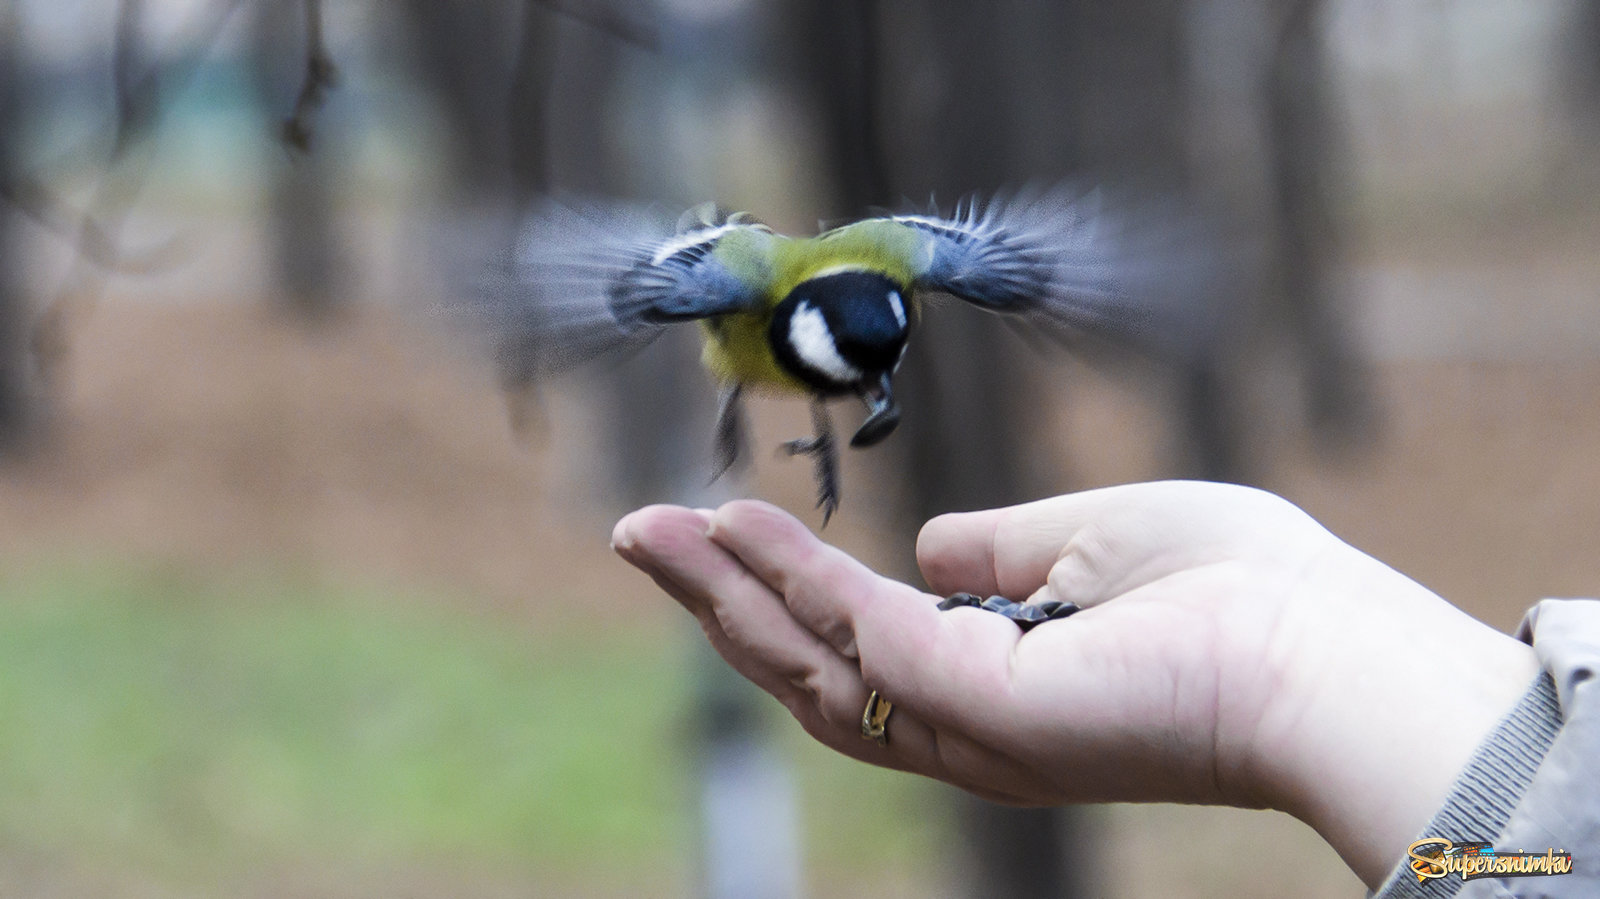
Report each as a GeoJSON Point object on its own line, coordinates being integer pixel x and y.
{"type": "Point", "coordinates": [1230, 651]}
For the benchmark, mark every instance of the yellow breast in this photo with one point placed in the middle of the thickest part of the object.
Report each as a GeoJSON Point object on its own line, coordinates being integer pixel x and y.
{"type": "Point", "coordinates": [736, 351]}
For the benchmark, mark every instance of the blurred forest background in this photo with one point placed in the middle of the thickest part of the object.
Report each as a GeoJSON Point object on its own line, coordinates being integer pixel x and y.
{"type": "Point", "coordinates": [287, 606]}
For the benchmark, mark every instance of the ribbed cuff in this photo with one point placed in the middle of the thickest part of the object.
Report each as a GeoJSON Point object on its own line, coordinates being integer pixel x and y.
{"type": "Point", "coordinates": [1480, 802]}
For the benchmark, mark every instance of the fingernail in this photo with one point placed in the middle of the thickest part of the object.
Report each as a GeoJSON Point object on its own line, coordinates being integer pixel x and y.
{"type": "Point", "coordinates": [621, 536]}
{"type": "Point", "coordinates": [849, 650]}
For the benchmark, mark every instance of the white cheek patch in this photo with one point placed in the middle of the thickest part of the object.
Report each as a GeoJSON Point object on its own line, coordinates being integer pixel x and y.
{"type": "Point", "coordinates": [808, 334]}
{"type": "Point", "coordinates": [898, 307]}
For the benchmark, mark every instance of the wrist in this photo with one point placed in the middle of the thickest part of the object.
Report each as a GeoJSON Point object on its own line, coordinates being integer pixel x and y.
{"type": "Point", "coordinates": [1363, 736]}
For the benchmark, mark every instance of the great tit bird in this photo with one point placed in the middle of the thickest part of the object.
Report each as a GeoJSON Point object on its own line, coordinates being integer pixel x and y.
{"type": "Point", "coordinates": [825, 317]}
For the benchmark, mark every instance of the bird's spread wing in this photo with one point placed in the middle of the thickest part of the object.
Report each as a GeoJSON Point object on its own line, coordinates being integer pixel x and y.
{"type": "Point", "coordinates": [583, 280]}
{"type": "Point", "coordinates": [1012, 256]}
{"type": "Point", "coordinates": [715, 265]}
{"type": "Point", "coordinates": [1068, 263]}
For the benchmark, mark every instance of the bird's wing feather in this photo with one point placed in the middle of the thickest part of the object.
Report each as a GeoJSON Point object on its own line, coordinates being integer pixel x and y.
{"type": "Point", "coordinates": [587, 279]}
{"type": "Point", "coordinates": [1069, 263]}
{"type": "Point", "coordinates": [717, 264]}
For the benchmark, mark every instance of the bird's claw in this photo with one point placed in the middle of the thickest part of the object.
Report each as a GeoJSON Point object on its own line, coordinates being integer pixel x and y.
{"type": "Point", "coordinates": [804, 446]}
{"type": "Point", "coordinates": [825, 457]}
{"type": "Point", "coordinates": [824, 453]}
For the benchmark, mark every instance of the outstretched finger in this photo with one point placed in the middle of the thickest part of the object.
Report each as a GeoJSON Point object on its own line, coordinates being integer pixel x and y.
{"type": "Point", "coordinates": [751, 627]}
{"type": "Point", "coordinates": [950, 669]}
{"type": "Point", "coordinates": [670, 544]}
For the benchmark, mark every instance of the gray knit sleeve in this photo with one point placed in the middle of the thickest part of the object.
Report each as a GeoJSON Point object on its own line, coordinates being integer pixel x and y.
{"type": "Point", "coordinates": [1480, 802]}
{"type": "Point", "coordinates": [1532, 784]}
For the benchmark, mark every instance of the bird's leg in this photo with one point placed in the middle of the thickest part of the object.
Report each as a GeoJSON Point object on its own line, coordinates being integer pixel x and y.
{"type": "Point", "coordinates": [730, 430]}
{"type": "Point", "coordinates": [825, 454]}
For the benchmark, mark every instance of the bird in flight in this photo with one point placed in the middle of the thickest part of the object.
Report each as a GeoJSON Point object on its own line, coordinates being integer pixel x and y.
{"type": "Point", "coordinates": [824, 317]}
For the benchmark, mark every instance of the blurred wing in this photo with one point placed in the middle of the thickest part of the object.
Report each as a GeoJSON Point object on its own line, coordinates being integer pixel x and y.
{"type": "Point", "coordinates": [586, 280]}
{"type": "Point", "coordinates": [1071, 263]}
{"type": "Point", "coordinates": [716, 264]}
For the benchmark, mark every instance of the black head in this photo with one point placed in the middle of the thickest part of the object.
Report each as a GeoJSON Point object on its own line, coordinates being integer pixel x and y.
{"type": "Point", "coordinates": [844, 333]}
{"type": "Point", "coordinates": [839, 331]}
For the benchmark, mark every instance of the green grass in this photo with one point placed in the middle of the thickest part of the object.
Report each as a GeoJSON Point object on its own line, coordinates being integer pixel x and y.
{"type": "Point", "coordinates": [193, 728]}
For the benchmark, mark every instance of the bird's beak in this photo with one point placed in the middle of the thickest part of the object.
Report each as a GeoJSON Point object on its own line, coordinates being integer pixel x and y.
{"type": "Point", "coordinates": [882, 413]}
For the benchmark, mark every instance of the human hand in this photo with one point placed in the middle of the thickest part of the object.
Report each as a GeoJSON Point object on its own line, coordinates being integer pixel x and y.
{"type": "Point", "coordinates": [1230, 651]}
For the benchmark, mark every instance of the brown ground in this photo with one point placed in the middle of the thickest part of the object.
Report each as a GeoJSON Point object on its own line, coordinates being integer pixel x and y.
{"type": "Point", "coordinates": [208, 435]}
{"type": "Point", "coordinates": [214, 435]}
{"type": "Point", "coordinates": [218, 436]}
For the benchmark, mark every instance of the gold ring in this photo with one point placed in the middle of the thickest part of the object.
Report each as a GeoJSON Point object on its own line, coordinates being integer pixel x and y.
{"type": "Point", "coordinates": [875, 719]}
